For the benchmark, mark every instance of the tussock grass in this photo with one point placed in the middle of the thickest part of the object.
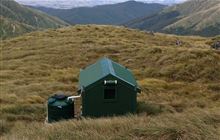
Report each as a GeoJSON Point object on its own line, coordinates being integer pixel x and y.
{"type": "Point", "coordinates": [189, 125]}
{"type": "Point", "coordinates": [180, 84]}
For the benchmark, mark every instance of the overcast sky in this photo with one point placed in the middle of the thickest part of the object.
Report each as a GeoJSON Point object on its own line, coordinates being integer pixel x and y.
{"type": "Point", "coordinates": [77, 3]}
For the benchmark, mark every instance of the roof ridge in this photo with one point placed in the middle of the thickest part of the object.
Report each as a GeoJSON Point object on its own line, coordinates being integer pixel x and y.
{"type": "Point", "coordinates": [107, 67]}
{"type": "Point", "coordinates": [110, 66]}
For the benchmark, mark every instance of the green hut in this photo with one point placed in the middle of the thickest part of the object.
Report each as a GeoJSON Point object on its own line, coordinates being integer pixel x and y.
{"type": "Point", "coordinates": [107, 88]}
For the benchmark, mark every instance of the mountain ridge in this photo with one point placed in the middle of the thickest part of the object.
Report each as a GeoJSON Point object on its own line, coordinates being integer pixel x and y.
{"type": "Point", "coordinates": [106, 14]}
{"type": "Point", "coordinates": [194, 17]}
{"type": "Point", "coordinates": [17, 19]}
{"type": "Point", "coordinates": [69, 4]}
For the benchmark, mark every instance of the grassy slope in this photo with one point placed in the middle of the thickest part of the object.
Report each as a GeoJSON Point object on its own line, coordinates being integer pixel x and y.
{"type": "Point", "coordinates": [180, 98]}
{"type": "Point", "coordinates": [194, 17]}
{"type": "Point", "coordinates": [17, 19]}
{"type": "Point", "coordinates": [199, 18]}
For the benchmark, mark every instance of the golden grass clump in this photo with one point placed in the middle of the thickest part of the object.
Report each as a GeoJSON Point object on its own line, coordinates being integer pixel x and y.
{"type": "Point", "coordinates": [190, 125]}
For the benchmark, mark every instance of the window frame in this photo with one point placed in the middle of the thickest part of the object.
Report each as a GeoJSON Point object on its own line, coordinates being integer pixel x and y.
{"type": "Point", "coordinates": [110, 87]}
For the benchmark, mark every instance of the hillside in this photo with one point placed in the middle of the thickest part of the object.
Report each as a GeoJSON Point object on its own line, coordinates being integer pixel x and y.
{"type": "Point", "coordinates": [68, 4]}
{"type": "Point", "coordinates": [180, 84]}
{"type": "Point", "coordinates": [105, 14]}
{"type": "Point", "coordinates": [194, 17]}
{"type": "Point", "coordinates": [10, 27]}
{"type": "Point", "coordinates": [17, 19]}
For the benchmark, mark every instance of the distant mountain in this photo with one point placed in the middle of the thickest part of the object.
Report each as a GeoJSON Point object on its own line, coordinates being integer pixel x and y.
{"type": "Point", "coordinates": [106, 14]}
{"type": "Point", "coordinates": [17, 19]}
{"type": "Point", "coordinates": [69, 4]}
{"type": "Point", "coordinates": [194, 17]}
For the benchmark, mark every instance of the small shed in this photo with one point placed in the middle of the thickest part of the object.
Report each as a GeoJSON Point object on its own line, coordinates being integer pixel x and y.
{"type": "Point", "coordinates": [107, 88]}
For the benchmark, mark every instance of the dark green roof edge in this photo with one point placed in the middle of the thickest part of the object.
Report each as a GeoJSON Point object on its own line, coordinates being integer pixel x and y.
{"type": "Point", "coordinates": [102, 68]}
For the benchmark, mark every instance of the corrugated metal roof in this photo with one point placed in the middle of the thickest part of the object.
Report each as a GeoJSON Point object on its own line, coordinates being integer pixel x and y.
{"type": "Point", "coordinates": [102, 68]}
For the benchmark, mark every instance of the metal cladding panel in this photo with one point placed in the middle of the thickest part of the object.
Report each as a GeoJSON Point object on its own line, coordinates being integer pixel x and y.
{"type": "Point", "coordinates": [91, 74]}
{"type": "Point", "coordinates": [94, 104]}
{"type": "Point", "coordinates": [124, 73]}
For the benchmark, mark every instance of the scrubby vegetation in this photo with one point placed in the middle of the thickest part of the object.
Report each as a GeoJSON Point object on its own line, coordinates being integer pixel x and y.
{"type": "Point", "coordinates": [180, 83]}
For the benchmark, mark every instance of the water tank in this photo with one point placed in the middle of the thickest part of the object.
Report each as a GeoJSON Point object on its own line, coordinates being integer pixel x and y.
{"type": "Point", "coordinates": [59, 108]}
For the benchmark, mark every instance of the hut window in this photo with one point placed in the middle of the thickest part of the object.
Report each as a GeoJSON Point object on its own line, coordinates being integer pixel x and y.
{"type": "Point", "coordinates": [109, 92]}
{"type": "Point", "coordinates": [110, 89]}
